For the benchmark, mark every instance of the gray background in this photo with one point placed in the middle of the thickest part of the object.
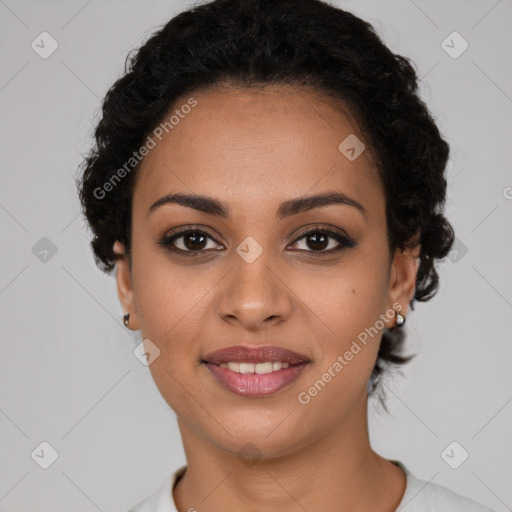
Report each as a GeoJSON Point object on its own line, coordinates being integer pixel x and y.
{"type": "Point", "coordinates": [68, 373]}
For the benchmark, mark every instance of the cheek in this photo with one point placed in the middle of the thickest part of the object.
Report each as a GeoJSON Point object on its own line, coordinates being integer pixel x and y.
{"type": "Point", "coordinates": [346, 310]}
{"type": "Point", "coordinates": [176, 312]}
{"type": "Point", "coordinates": [166, 293]}
{"type": "Point", "coordinates": [347, 345]}
{"type": "Point", "coordinates": [170, 305]}
{"type": "Point", "coordinates": [347, 298]}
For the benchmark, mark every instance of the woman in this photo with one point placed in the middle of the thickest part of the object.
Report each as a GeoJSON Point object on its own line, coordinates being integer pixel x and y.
{"type": "Point", "coordinates": [269, 188]}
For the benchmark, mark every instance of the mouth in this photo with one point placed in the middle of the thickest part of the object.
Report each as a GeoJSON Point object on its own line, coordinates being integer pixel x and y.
{"type": "Point", "coordinates": [255, 372]}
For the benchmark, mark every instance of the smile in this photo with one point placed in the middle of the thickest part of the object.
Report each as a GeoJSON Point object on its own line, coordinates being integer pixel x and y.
{"type": "Point", "coordinates": [255, 380]}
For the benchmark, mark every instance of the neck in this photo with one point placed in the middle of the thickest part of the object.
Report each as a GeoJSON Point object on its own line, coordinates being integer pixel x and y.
{"type": "Point", "coordinates": [338, 470]}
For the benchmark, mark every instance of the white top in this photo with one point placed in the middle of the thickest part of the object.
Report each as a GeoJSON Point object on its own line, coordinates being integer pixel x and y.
{"type": "Point", "coordinates": [419, 496]}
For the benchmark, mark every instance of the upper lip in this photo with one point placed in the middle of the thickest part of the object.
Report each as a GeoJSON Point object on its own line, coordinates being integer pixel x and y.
{"type": "Point", "coordinates": [243, 353]}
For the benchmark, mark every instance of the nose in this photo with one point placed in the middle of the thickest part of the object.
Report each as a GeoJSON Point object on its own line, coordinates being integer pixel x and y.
{"type": "Point", "coordinates": [254, 296]}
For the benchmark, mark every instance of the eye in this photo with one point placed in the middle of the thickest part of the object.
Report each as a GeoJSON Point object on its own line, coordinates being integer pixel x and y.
{"type": "Point", "coordinates": [324, 242]}
{"type": "Point", "coordinates": [194, 242]}
{"type": "Point", "coordinates": [189, 242]}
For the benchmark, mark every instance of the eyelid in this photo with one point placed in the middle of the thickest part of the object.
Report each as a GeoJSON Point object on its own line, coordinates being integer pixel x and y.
{"type": "Point", "coordinates": [324, 228]}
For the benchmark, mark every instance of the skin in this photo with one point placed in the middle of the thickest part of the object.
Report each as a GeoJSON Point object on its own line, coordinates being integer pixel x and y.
{"type": "Point", "coordinates": [253, 150]}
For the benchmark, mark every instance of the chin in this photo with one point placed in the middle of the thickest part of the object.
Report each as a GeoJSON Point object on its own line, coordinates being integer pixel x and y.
{"type": "Point", "coordinates": [254, 436]}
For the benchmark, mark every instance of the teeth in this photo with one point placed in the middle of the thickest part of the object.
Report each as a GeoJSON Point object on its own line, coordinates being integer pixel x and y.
{"type": "Point", "coordinates": [267, 367]}
{"type": "Point", "coordinates": [246, 368]}
{"type": "Point", "coordinates": [264, 367]}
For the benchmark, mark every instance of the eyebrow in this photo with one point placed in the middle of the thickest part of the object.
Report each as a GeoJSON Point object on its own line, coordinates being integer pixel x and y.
{"type": "Point", "coordinates": [288, 208]}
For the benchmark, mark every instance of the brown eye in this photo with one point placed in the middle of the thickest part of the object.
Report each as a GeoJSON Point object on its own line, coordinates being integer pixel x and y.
{"type": "Point", "coordinates": [318, 241]}
{"type": "Point", "coordinates": [324, 242]}
{"type": "Point", "coordinates": [189, 240]}
{"type": "Point", "coordinates": [193, 241]}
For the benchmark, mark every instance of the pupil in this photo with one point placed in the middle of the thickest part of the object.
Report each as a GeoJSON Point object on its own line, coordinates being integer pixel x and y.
{"type": "Point", "coordinates": [194, 239]}
{"type": "Point", "coordinates": [319, 241]}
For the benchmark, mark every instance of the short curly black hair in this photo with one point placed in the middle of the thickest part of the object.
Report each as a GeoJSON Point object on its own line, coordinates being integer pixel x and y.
{"type": "Point", "coordinates": [248, 43]}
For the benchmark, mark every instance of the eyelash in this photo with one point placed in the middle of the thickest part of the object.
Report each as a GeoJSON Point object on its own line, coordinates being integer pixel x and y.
{"type": "Point", "coordinates": [343, 241]}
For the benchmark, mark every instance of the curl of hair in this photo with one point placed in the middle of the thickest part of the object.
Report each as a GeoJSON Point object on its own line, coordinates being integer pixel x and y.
{"type": "Point", "coordinates": [255, 43]}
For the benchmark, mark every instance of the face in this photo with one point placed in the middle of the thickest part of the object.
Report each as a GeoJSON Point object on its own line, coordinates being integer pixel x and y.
{"type": "Point", "coordinates": [310, 280]}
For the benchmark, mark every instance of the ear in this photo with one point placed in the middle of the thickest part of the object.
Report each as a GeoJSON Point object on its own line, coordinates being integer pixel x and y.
{"type": "Point", "coordinates": [402, 280]}
{"type": "Point", "coordinates": [124, 286]}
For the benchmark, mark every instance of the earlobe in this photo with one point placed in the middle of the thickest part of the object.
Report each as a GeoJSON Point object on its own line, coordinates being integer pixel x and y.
{"type": "Point", "coordinates": [125, 288]}
{"type": "Point", "coordinates": [404, 271]}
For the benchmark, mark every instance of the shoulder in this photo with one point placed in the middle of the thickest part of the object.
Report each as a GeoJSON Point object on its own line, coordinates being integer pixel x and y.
{"type": "Point", "coordinates": [423, 496]}
{"type": "Point", "coordinates": [162, 499]}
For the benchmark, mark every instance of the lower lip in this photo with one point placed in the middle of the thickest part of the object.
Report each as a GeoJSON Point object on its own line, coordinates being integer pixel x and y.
{"type": "Point", "coordinates": [256, 384]}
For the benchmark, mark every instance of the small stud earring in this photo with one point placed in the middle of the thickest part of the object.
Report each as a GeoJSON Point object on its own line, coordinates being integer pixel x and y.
{"type": "Point", "coordinates": [126, 319]}
{"type": "Point", "coordinates": [400, 319]}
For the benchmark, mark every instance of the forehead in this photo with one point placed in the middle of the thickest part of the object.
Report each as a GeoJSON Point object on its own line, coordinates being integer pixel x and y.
{"type": "Point", "coordinates": [256, 147]}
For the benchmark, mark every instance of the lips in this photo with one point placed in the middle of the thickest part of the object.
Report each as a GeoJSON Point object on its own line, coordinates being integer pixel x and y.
{"type": "Point", "coordinates": [254, 385]}
{"type": "Point", "coordinates": [245, 354]}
